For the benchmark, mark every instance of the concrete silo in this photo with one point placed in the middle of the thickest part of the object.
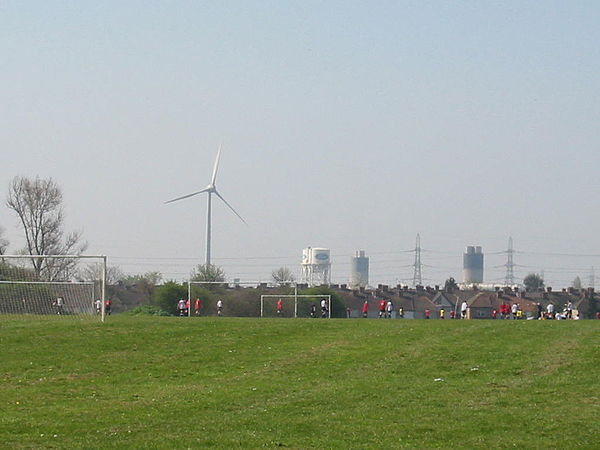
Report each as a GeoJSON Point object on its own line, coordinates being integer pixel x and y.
{"type": "Point", "coordinates": [473, 265]}
{"type": "Point", "coordinates": [359, 270]}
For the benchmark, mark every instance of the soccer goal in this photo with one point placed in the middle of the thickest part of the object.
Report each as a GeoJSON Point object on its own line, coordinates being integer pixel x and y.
{"type": "Point", "coordinates": [295, 306]}
{"type": "Point", "coordinates": [51, 285]}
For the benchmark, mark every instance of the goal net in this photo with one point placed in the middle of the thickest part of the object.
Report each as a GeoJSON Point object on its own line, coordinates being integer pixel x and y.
{"type": "Point", "coordinates": [46, 286]}
{"type": "Point", "coordinates": [295, 306]}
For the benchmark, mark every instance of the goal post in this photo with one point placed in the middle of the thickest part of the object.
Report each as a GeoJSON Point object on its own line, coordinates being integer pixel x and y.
{"type": "Point", "coordinates": [269, 298]}
{"type": "Point", "coordinates": [53, 285]}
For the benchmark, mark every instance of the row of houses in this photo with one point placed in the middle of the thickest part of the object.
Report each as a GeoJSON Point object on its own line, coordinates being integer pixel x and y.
{"type": "Point", "coordinates": [481, 304]}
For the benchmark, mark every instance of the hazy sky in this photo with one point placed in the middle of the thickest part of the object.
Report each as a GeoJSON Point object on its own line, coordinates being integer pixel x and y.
{"type": "Point", "coordinates": [347, 125]}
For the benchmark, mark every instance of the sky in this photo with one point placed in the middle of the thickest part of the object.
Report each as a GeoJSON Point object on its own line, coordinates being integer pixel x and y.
{"type": "Point", "coordinates": [347, 125]}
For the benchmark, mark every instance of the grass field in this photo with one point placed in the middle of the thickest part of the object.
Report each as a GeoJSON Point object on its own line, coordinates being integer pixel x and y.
{"type": "Point", "coordinates": [160, 382]}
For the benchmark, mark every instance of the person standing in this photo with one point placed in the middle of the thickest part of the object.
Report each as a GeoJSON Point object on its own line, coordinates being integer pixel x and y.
{"type": "Point", "coordinates": [401, 312]}
{"type": "Point", "coordinates": [107, 306]}
{"type": "Point", "coordinates": [513, 311]}
{"type": "Point", "coordinates": [365, 309]}
{"type": "Point", "coordinates": [463, 309]}
{"type": "Point", "coordinates": [181, 307]}
{"type": "Point", "coordinates": [59, 303]}
{"type": "Point", "coordinates": [197, 306]}
{"type": "Point", "coordinates": [219, 307]}
{"type": "Point", "coordinates": [279, 307]}
{"type": "Point", "coordinates": [452, 314]}
{"type": "Point", "coordinates": [381, 308]}
{"type": "Point", "coordinates": [313, 310]}
{"type": "Point", "coordinates": [550, 309]}
{"type": "Point", "coordinates": [494, 313]}
{"type": "Point", "coordinates": [427, 313]}
{"type": "Point", "coordinates": [540, 311]}
{"type": "Point", "coordinates": [389, 307]}
{"type": "Point", "coordinates": [569, 310]}
{"type": "Point", "coordinates": [323, 308]}
{"type": "Point", "coordinates": [98, 306]}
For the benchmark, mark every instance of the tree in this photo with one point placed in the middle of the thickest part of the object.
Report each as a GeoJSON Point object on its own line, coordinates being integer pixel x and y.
{"type": "Point", "coordinates": [533, 282]}
{"type": "Point", "coordinates": [283, 276]}
{"type": "Point", "coordinates": [208, 272]}
{"type": "Point", "coordinates": [450, 285]}
{"type": "Point", "coordinates": [577, 284]}
{"type": "Point", "coordinates": [38, 203]}
{"type": "Point", "coordinates": [93, 272]}
{"type": "Point", "coordinates": [3, 242]}
{"type": "Point", "coordinates": [165, 297]}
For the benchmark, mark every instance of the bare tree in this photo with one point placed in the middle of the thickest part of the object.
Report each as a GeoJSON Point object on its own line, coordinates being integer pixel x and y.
{"type": "Point", "coordinates": [93, 272]}
{"type": "Point", "coordinates": [208, 272]}
{"type": "Point", "coordinates": [38, 203]}
{"type": "Point", "coordinates": [3, 242]}
{"type": "Point", "coordinates": [283, 276]}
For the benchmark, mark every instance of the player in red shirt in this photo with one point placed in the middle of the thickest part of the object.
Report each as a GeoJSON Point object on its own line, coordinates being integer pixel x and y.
{"type": "Point", "coordinates": [365, 309]}
{"type": "Point", "coordinates": [427, 313]}
{"type": "Point", "coordinates": [382, 304]}
{"type": "Point", "coordinates": [279, 307]}
{"type": "Point", "coordinates": [197, 306]}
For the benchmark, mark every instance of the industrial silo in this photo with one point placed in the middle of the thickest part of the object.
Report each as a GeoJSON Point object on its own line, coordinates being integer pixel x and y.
{"type": "Point", "coordinates": [359, 270]}
{"type": "Point", "coordinates": [473, 265]}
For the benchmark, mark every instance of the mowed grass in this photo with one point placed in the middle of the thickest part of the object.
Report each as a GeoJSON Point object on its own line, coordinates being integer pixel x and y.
{"type": "Point", "coordinates": [159, 382]}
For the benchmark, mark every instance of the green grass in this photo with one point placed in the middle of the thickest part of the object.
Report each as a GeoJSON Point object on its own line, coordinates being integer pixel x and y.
{"type": "Point", "coordinates": [157, 382]}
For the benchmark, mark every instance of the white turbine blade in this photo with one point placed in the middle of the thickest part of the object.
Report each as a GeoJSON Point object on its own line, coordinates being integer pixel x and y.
{"type": "Point", "coordinates": [214, 174]}
{"type": "Point", "coordinates": [230, 207]}
{"type": "Point", "coordinates": [189, 195]}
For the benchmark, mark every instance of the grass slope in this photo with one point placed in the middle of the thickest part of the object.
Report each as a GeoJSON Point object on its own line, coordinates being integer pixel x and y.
{"type": "Point", "coordinates": [157, 382]}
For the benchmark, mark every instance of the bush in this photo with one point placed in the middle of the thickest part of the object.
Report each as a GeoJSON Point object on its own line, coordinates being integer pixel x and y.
{"type": "Point", "coordinates": [147, 310]}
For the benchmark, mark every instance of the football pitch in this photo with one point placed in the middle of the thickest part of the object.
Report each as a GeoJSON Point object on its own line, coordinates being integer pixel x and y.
{"type": "Point", "coordinates": [162, 382]}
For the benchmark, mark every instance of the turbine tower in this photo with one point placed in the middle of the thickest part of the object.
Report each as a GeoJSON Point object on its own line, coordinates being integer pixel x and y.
{"type": "Point", "coordinates": [210, 189]}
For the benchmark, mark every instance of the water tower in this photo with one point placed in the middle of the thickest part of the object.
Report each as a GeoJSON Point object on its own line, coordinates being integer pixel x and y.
{"type": "Point", "coordinates": [316, 266]}
{"type": "Point", "coordinates": [359, 270]}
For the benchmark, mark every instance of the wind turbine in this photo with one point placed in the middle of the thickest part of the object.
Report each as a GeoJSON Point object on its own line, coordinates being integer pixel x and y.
{"type": "Point", "coordinates": [210, 189]}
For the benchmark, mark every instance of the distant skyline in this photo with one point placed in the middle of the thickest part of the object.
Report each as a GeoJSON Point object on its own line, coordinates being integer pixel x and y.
{"type": "Point", "coordinates": [347, 125]}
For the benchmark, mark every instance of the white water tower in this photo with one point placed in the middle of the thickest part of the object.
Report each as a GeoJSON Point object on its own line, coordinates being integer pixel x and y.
{"type": "Point", "coordinates": [316, 266]}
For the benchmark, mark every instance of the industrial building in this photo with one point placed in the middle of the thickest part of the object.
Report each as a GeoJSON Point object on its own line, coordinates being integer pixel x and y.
{"type": "Point", "coordinates": [359, 270]}
{"type": "Point", "coordinates": [473, 265]}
